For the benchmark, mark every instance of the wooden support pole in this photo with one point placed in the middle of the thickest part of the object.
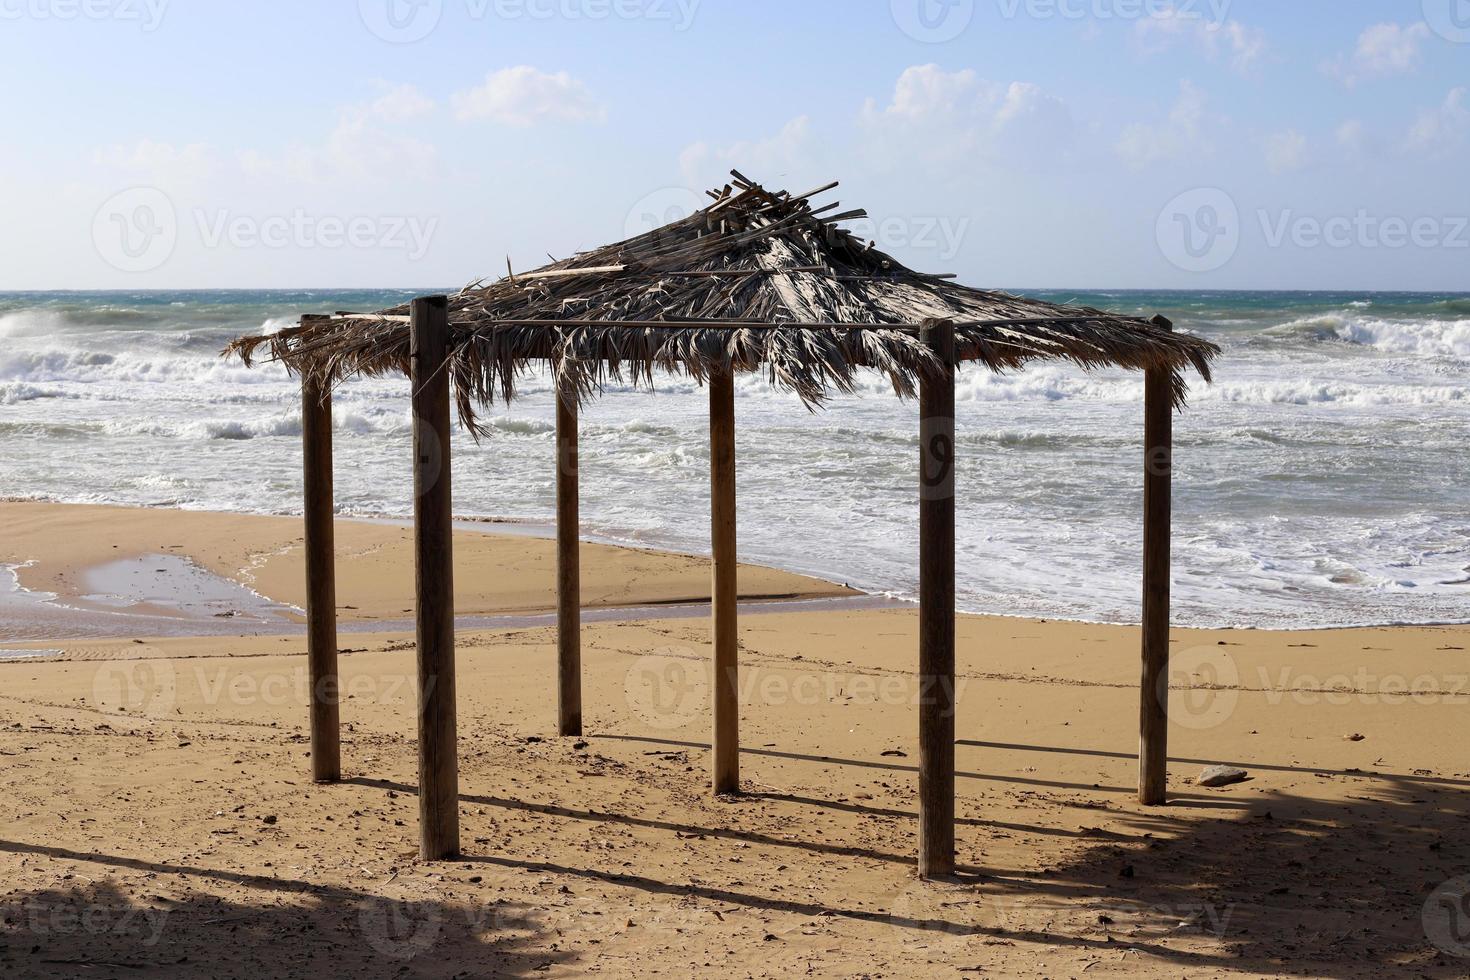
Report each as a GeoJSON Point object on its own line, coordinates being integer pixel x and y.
{"type": "Point", "coordinates": [321, 582]}
{"type": "Point", "coordinates": [937, 608]}
{"type": "Point", "coordinates": [434, 581]}
{"type": "Point", "coordinates": [568, 571]}
{"type": "Point", "coordinates": [726, 746]}
{"type": "Point", "coordinates": [1153, 728]}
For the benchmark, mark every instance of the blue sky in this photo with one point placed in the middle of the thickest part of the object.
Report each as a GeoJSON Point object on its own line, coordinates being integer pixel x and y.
{"type": "Point", "coordinates": [1204, 144]}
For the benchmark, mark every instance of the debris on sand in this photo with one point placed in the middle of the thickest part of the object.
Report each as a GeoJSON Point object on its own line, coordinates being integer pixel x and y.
{"type": "Point", "coordinates": [1221, 776]}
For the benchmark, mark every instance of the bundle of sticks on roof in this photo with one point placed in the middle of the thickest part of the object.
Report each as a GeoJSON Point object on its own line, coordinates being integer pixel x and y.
{"type": "Point", "coordinates": [758, 280]}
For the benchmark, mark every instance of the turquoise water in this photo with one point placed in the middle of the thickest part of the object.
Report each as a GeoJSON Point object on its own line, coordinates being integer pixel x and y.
{"type": "Point", "coordinates": [1321, 481]}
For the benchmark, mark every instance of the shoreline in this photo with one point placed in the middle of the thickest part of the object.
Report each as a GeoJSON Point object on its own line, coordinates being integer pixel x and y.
{"type": "Point", "coordinates": [131, 571]}
{"type": "Point", "coordinates": [539, 530]}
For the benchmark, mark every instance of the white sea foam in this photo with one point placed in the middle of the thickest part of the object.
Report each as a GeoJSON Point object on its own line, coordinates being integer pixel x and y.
{"type": "Point", "coordinates": [90, 366]}
{"type": "Point", "coordinates": [1309, 392]}
{"type": "Point", "coordinates": [1320, 480]}
{"type": "Point", "coordinates": [1429, 337]}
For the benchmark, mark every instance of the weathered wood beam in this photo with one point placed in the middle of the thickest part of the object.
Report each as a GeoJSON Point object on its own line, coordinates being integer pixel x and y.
{"type": "Point", "coordinates": [561, 273]}
{"type": "Point", "coordinates": [937, 608]}
{"type": "Point", "coordinates": [568, 570]}
{"type": "Point", "coordinates": [725, 753]}
{"type": "Point", "coordinates": [1153, 728]}
{"type": "Point", "coordinates": [434, 582]}
{"type": "Point", "coordinates": [321, 581]}
{"type": "Point", "coordinates": [687, 324]}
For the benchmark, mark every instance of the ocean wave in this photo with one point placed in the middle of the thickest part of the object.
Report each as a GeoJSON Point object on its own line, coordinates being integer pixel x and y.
{"type": "Point", "coordinates": [521, 426]}
{"type": "Point", "coordinates": [206, 429]}
{"type": "Point", "coordinates": [1435, 338]}
{"type": "Point", "coordinates": [43, 322]}
{"type": "Point", "coordinates": [1313, 392]}
{"type": "Point", "coordinates": [289, 425]}
{"type": "Point", "coordinates": [86, 366]}
{"type": "Point", "coordinates": [14, 394]}
{"type": "Point", "coordinates": [1431, 337]}
{"type": "Point", "coordinates": [1047, 383]}
{"type": "Point", "coordinates": [365, 423]}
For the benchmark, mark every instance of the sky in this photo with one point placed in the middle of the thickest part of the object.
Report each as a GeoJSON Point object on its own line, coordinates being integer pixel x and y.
{"type": "Point", "coordinates": [1089, 144]}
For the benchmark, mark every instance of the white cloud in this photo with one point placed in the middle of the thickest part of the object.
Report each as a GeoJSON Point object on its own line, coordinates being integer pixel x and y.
{"type": "Point", "coordinates": [146, 156]}
{"type": "Point", "coordinates": [524, 96]}
{"type": "Point", "coordinates": [1445, 127]}
{"type": "Point", "coordinates": [363, 147]}
{"type": "Point", "coordinates": [1383, 49]}
{"type": "Point", "coordinates": [164, 165]}
{"type": "Point", "coordinates": [1286, 151]}
{"type": "Point", "coordinates": [1243, 47]}
{"type": "Point", "coordinates": [1179, 136]}
{"type": "Point", "coordinates": [400, 103]}
{"type": "Point", "coordinates": [943, 116]}
{"type": "Point", "coordinates": [703, 165]}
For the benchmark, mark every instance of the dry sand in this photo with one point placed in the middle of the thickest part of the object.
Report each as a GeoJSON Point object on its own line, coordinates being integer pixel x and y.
{"type": "Point", "coordinates": [160, 820]}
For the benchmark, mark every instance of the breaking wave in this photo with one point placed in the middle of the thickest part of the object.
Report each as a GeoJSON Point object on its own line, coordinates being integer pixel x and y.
{"type": "Point", "coordinates": [1320, 480]}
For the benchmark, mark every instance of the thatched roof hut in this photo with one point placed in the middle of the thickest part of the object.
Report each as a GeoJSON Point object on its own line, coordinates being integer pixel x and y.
{"type": "Point", "coordinates": [757, 281]}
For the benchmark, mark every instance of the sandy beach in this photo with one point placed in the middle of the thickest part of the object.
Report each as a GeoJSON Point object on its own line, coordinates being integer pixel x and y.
{"type": "Point", "coordinates": [162, 817]}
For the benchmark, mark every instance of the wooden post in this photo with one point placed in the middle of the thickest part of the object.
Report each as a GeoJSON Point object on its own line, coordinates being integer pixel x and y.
{"type": "Point", "coordinates": [568, 571]}
{"type": "Point", "coordinates": [1153, 729]}
{"type": "Point", "coordinates": [724, 590]}
{"type": "Point", "coordinates": [937, 608]}
{"type": "Point", "coordinates": [434, 581]}
{"type": "Point", "coordinates": [321, 581]}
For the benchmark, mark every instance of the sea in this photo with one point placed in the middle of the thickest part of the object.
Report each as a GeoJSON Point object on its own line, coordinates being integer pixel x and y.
{"type": "Point", "coordinates": [1322, 480]}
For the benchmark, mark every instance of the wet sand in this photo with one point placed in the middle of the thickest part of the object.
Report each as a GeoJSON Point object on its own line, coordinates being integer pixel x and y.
{"type": "Point", "coordinates": [120, 571]}
{"type": "Point", "coordinates": [162, 821]}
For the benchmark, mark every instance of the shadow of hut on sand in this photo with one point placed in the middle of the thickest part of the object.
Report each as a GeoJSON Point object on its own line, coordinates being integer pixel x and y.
{"type": "Point", "coordinates": [106, 929]}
